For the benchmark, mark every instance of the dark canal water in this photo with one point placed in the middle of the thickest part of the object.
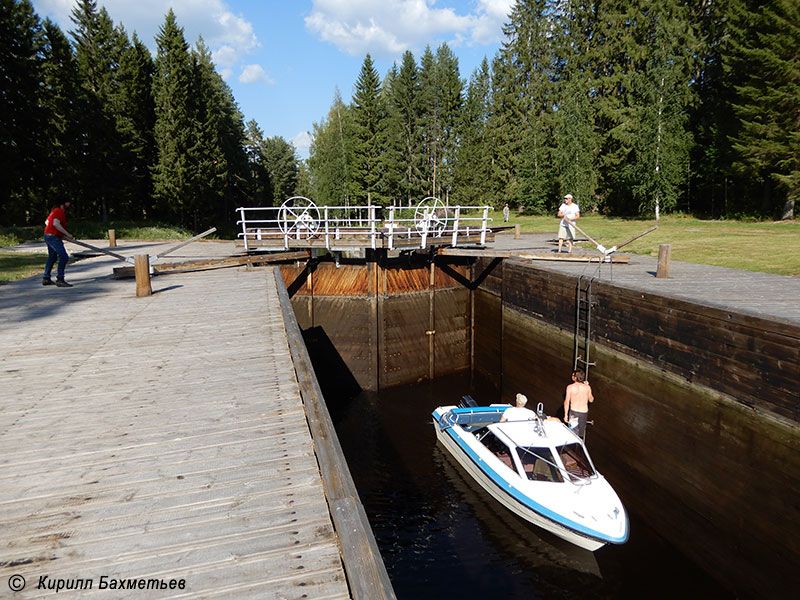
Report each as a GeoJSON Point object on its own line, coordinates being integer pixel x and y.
{"type": "Point", "coordinates": [442, 536]}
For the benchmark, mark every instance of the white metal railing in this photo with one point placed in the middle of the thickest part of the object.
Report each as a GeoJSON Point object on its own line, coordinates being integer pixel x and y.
{"type": "Point", "coordinates": [437, 222]}
{"type": "Point", "coordinates": [298, 219]}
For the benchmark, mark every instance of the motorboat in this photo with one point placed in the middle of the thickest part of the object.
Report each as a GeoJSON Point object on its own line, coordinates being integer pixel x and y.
{"type": "Point", "coordinates": [538, 468]}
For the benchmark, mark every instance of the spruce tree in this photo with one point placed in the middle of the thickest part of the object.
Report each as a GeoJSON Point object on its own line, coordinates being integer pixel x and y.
{"type": "Point", "coordinates": [429, 120]}
{"type": "Point", "coordinates": [98, 49]}
{"type": "Point", "coordinates": [330, 156]}
{"type": "Point", "coordinates": [472, 173]}
{"type": "Point", "coordinates": [20, 114]}
{"type": "Point", "coordinates": [135, 119]}
{"type": "Point", "coordinates": [280, 160]}
{"type": "Point", "coordinates": [503, 135]}
{"type": "Point", "coordinates": [174, 131]}
{"type": "Point", "coordinates": [766, 38]}
{"type": "Point", "coordinates": [369, 131]}
{"type": "Point", "coordinates": [449, 101]}
{"type": "Point", "coordinates": [226, 132]}
{"type": "Point", "coordinates": [62, 140]}
{"type": "Point", "coordinates": [207, 161]}
{"type": "Point", "coordinates": [258, 192]}
{"type": "Point", "coordinates": [529, 52]}
{"type": "Point", "coordinates": [614, 54]}
{"type": "Point", "coordinates": [575, 142]}
{"type": "Point", "coordinates": [403, 107]}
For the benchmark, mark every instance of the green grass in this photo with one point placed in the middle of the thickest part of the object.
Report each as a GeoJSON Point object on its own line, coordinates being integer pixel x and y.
{"type": "Point", "coordinates": [767, 247]}
{"type": "Point", "coordinates": [19, 265]}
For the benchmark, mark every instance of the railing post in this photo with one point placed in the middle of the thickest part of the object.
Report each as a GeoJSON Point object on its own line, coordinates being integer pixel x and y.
{"type": "Point", "coordinates": [426, 222]}
{"type": "Point", "coordinates": [244, 228]}
{"type": "Point", "coordinates": [327, 231]}
{"type": "Point", "coordinates": [454, 241]}
{"type": "Point", "coordinates": [483, 225]}
{"type": "Point", "coordinates": [372, 225]}
{"type": "Point", "coordinates": [390, 227]}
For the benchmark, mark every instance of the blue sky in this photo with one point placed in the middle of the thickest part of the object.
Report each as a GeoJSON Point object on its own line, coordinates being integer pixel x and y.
{"type": "Point", "coordinates": [284, 59]}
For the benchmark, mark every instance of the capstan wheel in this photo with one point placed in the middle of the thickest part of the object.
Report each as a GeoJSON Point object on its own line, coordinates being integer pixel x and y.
{"type": "Point", "coordinates": [298, 216]}
{"type": "Point", "coordinates": [431, 213]}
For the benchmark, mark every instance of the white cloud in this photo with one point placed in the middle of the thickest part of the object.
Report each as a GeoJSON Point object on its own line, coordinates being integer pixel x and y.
{"type": "Point", "coordinates": [388, 27]}
{"type": "Point", "coordinates": [229, 36]}
{"type": "Point", "coordinates": [254, 74]}
{"type": "Point", "coordinates": [302, 143]}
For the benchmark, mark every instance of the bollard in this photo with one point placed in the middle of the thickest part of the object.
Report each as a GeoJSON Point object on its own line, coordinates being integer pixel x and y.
{"type": "Point", "coordinates": [516, 231]}
{"type": "Point", "coordinates": [112, 238]}
{"type": "Point", "coordinates": [664, 251]}
{"type": "Point", "coordinates": [141, 268]}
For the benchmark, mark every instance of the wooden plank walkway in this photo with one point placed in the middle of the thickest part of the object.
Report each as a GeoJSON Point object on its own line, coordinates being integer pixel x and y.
{"type": "Point", "coordinates": [158, 438]}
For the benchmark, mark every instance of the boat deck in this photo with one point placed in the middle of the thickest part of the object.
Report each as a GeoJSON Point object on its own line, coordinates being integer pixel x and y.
{"type": "Point", "coordinates": [158, 438]}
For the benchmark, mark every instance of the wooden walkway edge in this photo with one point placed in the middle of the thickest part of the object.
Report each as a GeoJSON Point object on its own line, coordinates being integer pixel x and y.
{"type": "Point", "coordinates": [364, 568]}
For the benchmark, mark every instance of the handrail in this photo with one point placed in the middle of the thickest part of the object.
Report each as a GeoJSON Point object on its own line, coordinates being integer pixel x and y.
{"type": "Point", "coordinates": [334, 223]}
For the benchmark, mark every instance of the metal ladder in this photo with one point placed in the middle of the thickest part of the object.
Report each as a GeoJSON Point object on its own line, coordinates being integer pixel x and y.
{"type": "Point", "coordinates": [583, 324]}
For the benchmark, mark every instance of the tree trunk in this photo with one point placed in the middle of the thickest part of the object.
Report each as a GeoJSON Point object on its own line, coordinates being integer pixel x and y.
{"type": "Point", "coordinates": [788, 209]}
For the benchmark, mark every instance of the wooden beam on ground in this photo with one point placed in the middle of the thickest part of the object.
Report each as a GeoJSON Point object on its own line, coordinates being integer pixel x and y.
{"type": "Point", "coordinates": [216, 263]}
{"type": "Point", "coordinates": [528, 255]}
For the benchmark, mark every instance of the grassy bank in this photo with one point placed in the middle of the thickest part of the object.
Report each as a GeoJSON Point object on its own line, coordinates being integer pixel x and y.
{"type": "Point", "coordinates": [19, 265]}
{"type": "Point", "coordinates": [767, 247]}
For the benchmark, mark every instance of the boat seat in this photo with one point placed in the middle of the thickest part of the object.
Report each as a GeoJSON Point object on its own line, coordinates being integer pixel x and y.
{"type": "Point", "coordinates": [506, 460]}
{"type": "Point", "coordinates": [544, 472]}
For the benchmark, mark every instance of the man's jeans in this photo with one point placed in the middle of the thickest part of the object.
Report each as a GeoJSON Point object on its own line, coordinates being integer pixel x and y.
{"type": "Point", "coordinates": [55, 250]}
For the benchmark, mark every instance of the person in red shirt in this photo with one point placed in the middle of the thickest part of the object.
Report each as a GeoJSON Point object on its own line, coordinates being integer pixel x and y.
{"type": "Point", "coordinates": [54, 231]}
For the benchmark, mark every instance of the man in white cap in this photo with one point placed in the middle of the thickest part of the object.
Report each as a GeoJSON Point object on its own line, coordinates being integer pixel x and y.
{"type": "Point", "coordinates": [518, 412]}
{"type": "Point", "coordinates": [569, 213]}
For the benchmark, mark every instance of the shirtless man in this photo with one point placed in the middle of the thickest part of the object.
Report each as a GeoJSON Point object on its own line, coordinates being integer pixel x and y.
{"type": "Point", "coordinates": [576, 401]}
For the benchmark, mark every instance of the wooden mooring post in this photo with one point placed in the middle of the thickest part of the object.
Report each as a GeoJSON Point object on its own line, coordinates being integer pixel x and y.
{"type": "Point", "coordinates": [141, 267]}
{"type": "Point", "coordinates": [664, 251]}
{"type": "Point", "coordinates": [516, 231]}
{"type": "Point", "coordinates": [112, 238]}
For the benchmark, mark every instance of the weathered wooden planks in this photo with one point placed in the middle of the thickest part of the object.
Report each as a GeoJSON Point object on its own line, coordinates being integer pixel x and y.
{"type": "Point", "coordinates": [159, 437]}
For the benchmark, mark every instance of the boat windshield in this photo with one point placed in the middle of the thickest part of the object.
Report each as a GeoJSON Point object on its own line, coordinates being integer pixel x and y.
{"type": "Point", "coordinates": [575, 461]}
{"type": "Point", "coordinates": [539, 464]}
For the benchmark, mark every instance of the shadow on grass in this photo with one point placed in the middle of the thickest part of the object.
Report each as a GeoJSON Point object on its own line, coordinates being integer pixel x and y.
{"type": "Point", "coordinates": [17, 265]}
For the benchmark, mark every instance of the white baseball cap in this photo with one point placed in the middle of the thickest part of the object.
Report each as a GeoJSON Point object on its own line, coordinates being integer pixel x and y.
{"type": "Point", "coordinates": [568, 196]}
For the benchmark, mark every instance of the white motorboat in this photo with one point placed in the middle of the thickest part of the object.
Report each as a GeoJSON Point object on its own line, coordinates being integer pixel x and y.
{"type": "Point", "coordinates": [538, 469]}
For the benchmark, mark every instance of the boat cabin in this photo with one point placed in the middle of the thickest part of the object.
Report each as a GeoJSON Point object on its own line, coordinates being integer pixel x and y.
{"type": "Point", "coordinates": [551, 456]}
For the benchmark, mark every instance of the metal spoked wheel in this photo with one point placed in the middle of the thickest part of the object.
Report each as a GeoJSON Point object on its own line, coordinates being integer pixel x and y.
{"type": "Point", "coordinates": [298, 217]}
{"type": "Point", "coordinates": [431, 212]}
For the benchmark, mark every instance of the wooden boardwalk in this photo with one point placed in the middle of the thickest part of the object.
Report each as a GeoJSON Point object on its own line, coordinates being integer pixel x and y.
{"type": "Point", "coordinates": [160, 438]}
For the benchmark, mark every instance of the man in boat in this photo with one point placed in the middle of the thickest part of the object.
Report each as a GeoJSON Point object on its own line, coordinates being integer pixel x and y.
{"type": "Point", "coordinates": [576, 403]}
{"type": "Point", "coordinates": [518, 412]}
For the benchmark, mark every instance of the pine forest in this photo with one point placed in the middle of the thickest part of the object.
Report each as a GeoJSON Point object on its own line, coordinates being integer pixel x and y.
{"type": "Point", "coordinates": [637, 108]}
